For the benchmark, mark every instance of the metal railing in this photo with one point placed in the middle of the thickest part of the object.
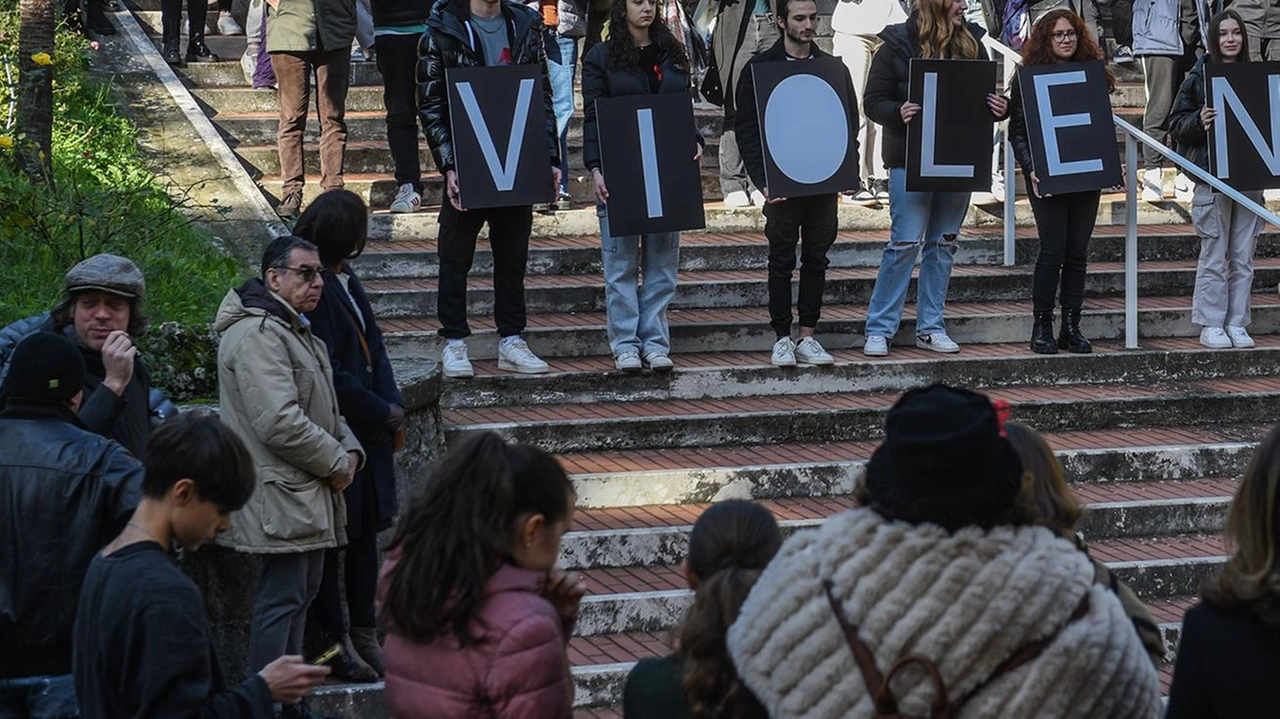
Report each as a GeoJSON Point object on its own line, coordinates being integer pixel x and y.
{"type": "Point", "coordinates": [1132, 136]}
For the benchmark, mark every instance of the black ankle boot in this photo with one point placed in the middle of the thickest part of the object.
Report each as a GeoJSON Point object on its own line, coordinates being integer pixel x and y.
{"type": "Point", "coordinates": [170, 40]}
{"type": "Point", "coordinates": [197, 51]}
{"type": "Point", "coordinates": [171, 53]}
{"type": "Point", "coordinates": [1042, 342]}
{"type": "Point", "coordinates": [1070, 338]}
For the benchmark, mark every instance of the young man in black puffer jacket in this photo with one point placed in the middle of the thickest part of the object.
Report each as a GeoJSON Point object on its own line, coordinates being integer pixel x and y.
{"type": "Point", "coordinates": [472, 33]}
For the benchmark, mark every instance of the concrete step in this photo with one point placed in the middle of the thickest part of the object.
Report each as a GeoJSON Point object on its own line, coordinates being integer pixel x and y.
{"type": "Point", "coordinates": [574, 335]}
{"type": "Point", "coordinates": [835, 417]}
{"type": "Point", "coordinates": [217, 100]}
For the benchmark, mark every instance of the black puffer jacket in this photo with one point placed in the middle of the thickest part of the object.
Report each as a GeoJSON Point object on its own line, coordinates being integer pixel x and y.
{"type": "Point", "coordinates": [393, 13]}
{"type": "Point", "coordinates": [1184, 121]}
{"type": "Point", "coordinates": [887, 83]}
{"type": "Point", "coordinates": [64, 493]}
{"type": "Point", "coordinates": [447, 43]}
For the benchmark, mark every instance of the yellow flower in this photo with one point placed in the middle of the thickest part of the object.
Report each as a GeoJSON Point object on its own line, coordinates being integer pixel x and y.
{"type": "Point", "coordinates": [6, 142]}
{"type": "Point", "coordinates": [42, 58]}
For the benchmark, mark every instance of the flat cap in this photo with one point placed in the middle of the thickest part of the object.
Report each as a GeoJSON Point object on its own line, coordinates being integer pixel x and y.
{"type": "Point", "coordinates": [109, 273]}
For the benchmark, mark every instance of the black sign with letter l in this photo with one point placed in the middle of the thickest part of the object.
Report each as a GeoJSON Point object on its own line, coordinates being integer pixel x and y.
{"type": "Point", "coordinates": [804, 125]}
{"type": "Point", "coordinates": [1244, 142]}
{"type": "Point", "coordinates": [653, 186]}
{"type": "Point", "coordinates": [500, 139]}
{"type": "Point", "coordinates": [1073, 143]}
{"type": "Point", "coordinates": [949, 141]}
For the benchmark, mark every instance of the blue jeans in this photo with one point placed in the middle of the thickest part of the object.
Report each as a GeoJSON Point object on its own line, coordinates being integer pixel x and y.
{"type": "Point", "coordinates": [929, 218]}
{"type": "Point", "coordinates": [38, 698]}
{"type": "Point", "coordinates": [638, 311]}
{"type": "Point", "coordinates": [562, 64]}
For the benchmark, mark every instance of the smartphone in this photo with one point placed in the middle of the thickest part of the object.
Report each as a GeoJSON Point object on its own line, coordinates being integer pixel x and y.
{"type": "Point", "coordinates": [328, 655]}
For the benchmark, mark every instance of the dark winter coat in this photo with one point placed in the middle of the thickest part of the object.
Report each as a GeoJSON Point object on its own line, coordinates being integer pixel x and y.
{"type": "Point", "coordinates": [1228, 666]}
{"type": "Point", "coordinates": [447, 44]}
{"type": "Point", "coordinates": [1184, 120]}
{"type": "Point", "coordinates": [747, 121]}
{"type": "Point", "coordinates": [64, 493]}
{"type": "Point", "coordinates": [887, 83]}
{"type": "Point", "coordinates": [726, 41]}
{"type": "Point", "coordinates": [366, 390]}
{"type": "Point", "coordinates": [600, 82]}
{"type": "Point", "coordinates": [655, 690]}
{"type": "Point", "coordinates": [399, 13]}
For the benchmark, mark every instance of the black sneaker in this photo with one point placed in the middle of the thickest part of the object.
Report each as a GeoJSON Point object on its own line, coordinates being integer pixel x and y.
{"type": "Point", "coordinates": [200, 52]}
{"type": "Point", "coordinates": [291, 206]}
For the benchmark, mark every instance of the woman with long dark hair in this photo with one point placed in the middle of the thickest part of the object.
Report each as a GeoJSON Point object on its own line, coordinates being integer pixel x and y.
{"type": "Point", "coordinates": [935, 30]}
{"type": "Point", "coordinates": [1229, 654]}
{"type": "Point", "coordinates": [640, 57]}
{"type": "Point", "coordinates": [1228, 232]}
{"type": "Point", "coordinates": [728, 548]}
{"type": "Point", "coordinates": [1064, 222]}
{"type": "Point", "coordinates": [478, 616]}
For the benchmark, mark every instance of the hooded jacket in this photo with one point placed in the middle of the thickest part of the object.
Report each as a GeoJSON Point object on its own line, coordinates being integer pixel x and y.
{"type": "Point", "coordinates": [275, 388]}
{"type": "Point", "coordinates": [967, 601]}
{"type": "Point", "coordinates": [447, 43]}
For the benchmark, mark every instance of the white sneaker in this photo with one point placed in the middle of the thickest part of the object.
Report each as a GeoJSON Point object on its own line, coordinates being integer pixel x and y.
{"type": "Point", "coordinates": [1215, 339]}
{"type": "Point", "coordinates": [227, 25]}
{"type": "Point", "coordinates": [737, 198]}
{"type": "Point", "coordinates": [659, 362]}
{"type": "Point", "coordinates": [456, 364]}
{"type": "Point", "coordinates": [628, 361]}
{"type": "Point", "coordinates": [407, 199]}
{"type": "Point", "coordinates": [1239, 338]}
{"type": "Point", "coordinates": [757, 198]}
{"type": "Point", "coordinates": [809, 351]}
{"type": "Point", "coordinates": [1152, 185]}
{"type": "Point", "coordinates": [515, 356]}
{"type": "Point", "coordinates": [938, 342]}
{"type": "Point", "coordinates": [876, 346]}
{"type": "Point", "coordinates": [784, 353]}
{"type": "Point", "coordinates": [1183, 187]}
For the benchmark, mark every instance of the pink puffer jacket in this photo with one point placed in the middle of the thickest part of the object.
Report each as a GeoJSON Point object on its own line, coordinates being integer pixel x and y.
{"type": "Point", "coordinates": [520, 670]}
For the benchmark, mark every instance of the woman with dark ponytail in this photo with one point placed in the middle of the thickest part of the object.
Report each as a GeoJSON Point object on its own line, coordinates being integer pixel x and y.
{"type": "Point", "coordinates": [477, 613]}
{"type": "Point", "coordinates": [729, 546]}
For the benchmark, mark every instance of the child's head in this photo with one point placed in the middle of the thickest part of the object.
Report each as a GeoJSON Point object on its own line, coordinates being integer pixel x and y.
{"type": "Point", "coordinates": [1045, 493]}
{"type": "Point", "coordinates": [731, 543]}
{"type": "Point", "coordinates": [203, 471]}
{"type": "Point", "coordinates": [487, 503]}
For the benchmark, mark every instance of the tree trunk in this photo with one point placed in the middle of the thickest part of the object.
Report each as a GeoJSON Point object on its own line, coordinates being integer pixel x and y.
{"type": "Point", "coordinates": [35, 91]}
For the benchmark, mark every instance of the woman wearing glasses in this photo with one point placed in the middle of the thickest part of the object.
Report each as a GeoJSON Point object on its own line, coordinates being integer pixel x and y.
{"type": "Point", "coordinates": [1228, 232]}
{"type": "Point", "coordinates": [1064, 222]}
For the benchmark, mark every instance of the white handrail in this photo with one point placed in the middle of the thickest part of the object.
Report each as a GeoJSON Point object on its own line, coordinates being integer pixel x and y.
{"type": "Point", "coordinates": [1132, 136]}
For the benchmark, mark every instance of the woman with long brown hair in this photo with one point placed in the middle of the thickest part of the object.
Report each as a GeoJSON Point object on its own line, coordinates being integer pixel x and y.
{"type": "Point", "coordinates": [1229, 653]}
{"type": "Point", "coordinates": [1064, 222]}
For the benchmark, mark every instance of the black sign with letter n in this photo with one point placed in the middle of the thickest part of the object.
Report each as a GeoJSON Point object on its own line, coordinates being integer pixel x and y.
{"type": "Point", "coordinates": [1073, 145]}
{"type": "Point", "coordinates": [500, 139]}
{"type": "Point", "coordinates": [653, 186]}
{"type": "Point", "coordinates": [949, 141]}
{"type": "Point", "coordinates": [1244, 142]}
{"type": "Point", "coordinates": [804, 124]}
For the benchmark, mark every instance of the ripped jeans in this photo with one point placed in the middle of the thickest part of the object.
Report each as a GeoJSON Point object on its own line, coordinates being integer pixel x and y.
{"type": "Point", "coordinates": [931, 219]}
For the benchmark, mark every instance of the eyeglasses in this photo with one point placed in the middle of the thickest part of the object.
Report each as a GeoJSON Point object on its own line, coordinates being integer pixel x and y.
{"type": "Point", "coordinates": [305, 273]}
{"type": "Point", "coordinates": [1064, 36]}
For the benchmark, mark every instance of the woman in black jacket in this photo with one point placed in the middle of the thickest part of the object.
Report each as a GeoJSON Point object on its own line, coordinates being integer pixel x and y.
{"type": "Point", "coordinates": [640, 57]}
{"type": "Point", "coordinates": [1228, 233]}
{"type": "Point", "coordinates": [935, 30]}
{"type": "Point", "coordinates": [1064, 222]}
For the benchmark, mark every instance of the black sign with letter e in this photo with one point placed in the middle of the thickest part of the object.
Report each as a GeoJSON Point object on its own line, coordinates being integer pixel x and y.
{"type": "Point", "coordinates": [1073, 145]}
{"type": "Point", "coordinates": [1244, 142]}
{"type": "Point", "coordinates": [653, 186]}
{"type": "Point", "coordinates": [500, 139]}
{"type": "Point", "coordinates": [955, 156]}
{"type": "Point", "coordinates": [804, 125]}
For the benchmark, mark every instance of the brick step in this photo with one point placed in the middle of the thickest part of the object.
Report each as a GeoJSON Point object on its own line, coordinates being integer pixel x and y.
{"type": "Point", "coordinates": [748, 288]}
{"type": "Point", "coordinates": [562, 335]}
{"type": "Point", "coordinates": [855, 415]}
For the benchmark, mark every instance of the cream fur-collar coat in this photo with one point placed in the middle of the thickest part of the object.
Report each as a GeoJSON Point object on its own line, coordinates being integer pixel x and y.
{"type": "Point", "coordinates": [967, 601]}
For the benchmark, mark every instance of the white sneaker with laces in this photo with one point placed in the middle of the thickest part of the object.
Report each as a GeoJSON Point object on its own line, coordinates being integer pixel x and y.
{"type": "Point", "coordinates": [937, 342]}
{"type": "Point", "coordinates": [227, 25]}
{"type": "Point", "coordinates": [1215, 339]}
{"type": "Point", "coordinates": [628, 361]}
{"type": "Point", "coordinates": [757, 198]}
{"type": "Point", "coordinates": [1239, 338]}
{"type": "Point", "coordinates": [1152, 185]}
{"type": "Point", "coordinates": [456, 363]}
{"type": "Point", "coordinates": [407, 199]}
{"type": "Point", "coordinates": [659, 362]}
{"type": "Point", "coordinates": [515, 356]}
{"type": "Point", "coordinates": [876, 346]}
{"type": "Point", "coordinates": [737, 198]}
{"type": "Point", "coordinates": [810, 352]}
{"type": "Point", "coordinates": [1183, 187]}
{"type": "Point", "coordinates": [784, 353]}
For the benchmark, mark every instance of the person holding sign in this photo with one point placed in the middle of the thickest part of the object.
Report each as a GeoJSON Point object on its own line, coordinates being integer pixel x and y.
{"type": "Point", "coordinates": [640, 57]}
{"type": "Point", "coordinates": [480, 33]}
{"type": "Point", "coordinates": [1065, 221]}
{"type": "Point", "coordinates": [935, 30]}
{"type": "Point", "coordinates": [1228, 232]}
{"type": "Point", "coordinates": [786, 219]}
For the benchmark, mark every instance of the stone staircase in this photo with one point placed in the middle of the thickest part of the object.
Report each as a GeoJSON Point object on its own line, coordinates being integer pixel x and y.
{"type": "Point", "coordinates": [1153, 439]}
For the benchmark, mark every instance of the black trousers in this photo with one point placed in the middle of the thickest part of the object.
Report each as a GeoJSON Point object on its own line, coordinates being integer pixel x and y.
{"type": "Point", "coordinates": [171, 18]}
{"type": "Point", "coordinates": [397, 61]}
{"type": "Point", "coordinates": [787, 223]}
{"type": "Point", "coordinates": [360, 576]}
{"type": "Point", "coordinates": [1065, 224]}
{"type": "Point", "coordinates": [509, 229]}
